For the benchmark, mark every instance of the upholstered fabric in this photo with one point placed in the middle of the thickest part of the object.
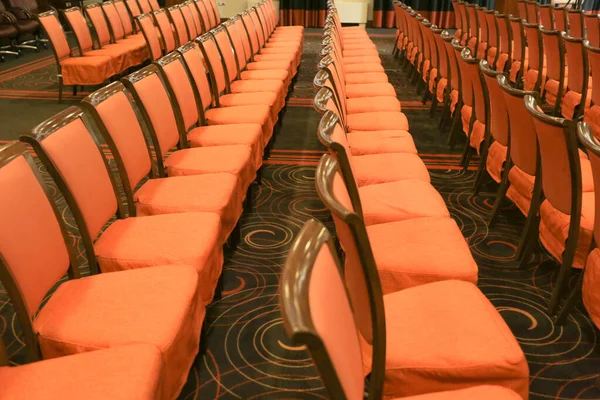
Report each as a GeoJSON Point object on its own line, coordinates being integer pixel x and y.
{"type": "Point", "coordinates": [380, 142]}
{"type": "Point", "coordinates": [120, 373]}
{"type": "Point", "coordinates": [96, 313]}
{"type": "Point", "coordinates": [381, 168]}
{"type": "Point", "coordinates": [398, 201]}
{"type": "Point", "coordinates": [477, 135]}
{"type": "Point", "coordinates": [269, 74]}
{"type": "Point", "coordinates": [477, 346]}
{"type": "Point", "coordinates": [571, 100]}
{"type": "Point", "coordinates": [419, 251]}
{"type": "Point", "coordinates": [487, 392]}
{"type": "Point", "coordinates": [214, 193]}
{"type": "Point", "coordinates": [554, 229]}
{"type": "Point", "coordinates": [224, 135]}
{"type": "Point", "coordinates": [495, 160]}
{"type": "Point", "coordinates": [377, 121]}
{"type": "Point", "coordinates": [370, 90]}
{"type": "Point", "coordinates": [269, 99]}
{"type": "Point", "coordinates": [273, 86]}
{"type": "Point", "coordinates": [591, 280]}
{"type": "Point", "coordinates": [233, 159]}
{"type": "Point", "coordinates": [361, 60]}
{"type": "Point", "coordinates": [372, 104]}
{"type": "Point", "coordinates": [520, 190]}
{"type": "Point", "coordinates": [87, 70]}
{"type": "Point", "coordinates": [592, 118]}
{"type": "Point", "coordinates": [253, 114]}
{"type": "Point", "coordinates": [366, 77]}
{"type": "Point", "coordinates": [184, 238]}
{"type": "Point", "coordinates": [359, 68]}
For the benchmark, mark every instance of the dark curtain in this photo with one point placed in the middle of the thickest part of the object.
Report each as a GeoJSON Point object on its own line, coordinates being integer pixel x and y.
{"type": "Point", "coordinates": [591, 5]}
{"type": "Point", "coordinates": [308, 13]}
{"type": "Point", "coordinates": [438, 12]}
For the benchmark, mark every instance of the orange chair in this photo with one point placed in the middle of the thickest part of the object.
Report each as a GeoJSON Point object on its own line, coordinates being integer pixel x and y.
{"type": "Point", "coordinates": [592, 29]}
{"type": "Point", "coordinates": [534, 73]}
{"type": "Point", "coordinates": [127, 20]}
{"type": "Point", "coordinates": [493, 37]}
{"type": "Point", "coordinates": [150, 34]}
{"type": "Point", "coordinates": [484, 33]}
{"type": "Point", "coordinates": [478, 347]}
{"type": "Point", "coordinates": [460, 29]}
{"type": "Point", "coordinates": [162, 23]}
{"type": "Point", "coordinates": [133, 8]}
{"type": "Point", "coordinates": [586, 286]}
{"type": "Point", "coordinates": [576, 98]}
{"type": "Point", "coordinates": [154, 5]}
{"type": "Point", "coordinates": [546, 16]}
{"type": "Point", "coordinates": [464, 118]}
{"type": "Point", "coordinates": [438, 83]}
{"type": "Point", "coordinates": [217, 193]}
{"type": "Point", "coordinates": [567, 212]}
{"type": "Point", "coordinates": [556, 72]}
{"type": "Point", "coordinates": [135, 49]}
{"type": "Point", "coordinates": [591, 116]}
{"type": "Point", "coordinates": [313, 267]}
{"type": "Point", "coordinates": [401, 31]}
{"type": "Point", "coordinates": [525, 185]}
{"type": "Point", "coordinates": [144, 6]}
{"type": "Point", "coordinates": [178, 22]}
{"type": "Point", "coordinates": [464, 23]}
{"type": "Point", "coordinates": [452, 95]}
{"type": "Point", "coordinates": [560, 18]}
{"type": "Point", "coordinates": [576, 26]}
{"type": "Point", "coordinates": [154, 90]}
{"type": "Point", "coordinates": [532, 11]}
{"type": "Point", "coordinates": [120, 373]}
{"type": "Point", "coordinates": [429, 62]}
{"type": "Point", "coordinates": [520, 58]}
{"type": "Point", "coordinates": [493, 154]}
{"type": "Point", "coordinates": [192, 19]}
{"type": "Point", "coordinates": [121, 26]}
{"type": "Point", "coordinates": [522, 10]}
{"type": "Point", "coordinates": [89, 70]}
{"type": "Point", "coordinates": [505, 51]}
{"type": "Point", "coordinates": [85, 314]}
{"type": "Point", "coordinates": [473, 28]}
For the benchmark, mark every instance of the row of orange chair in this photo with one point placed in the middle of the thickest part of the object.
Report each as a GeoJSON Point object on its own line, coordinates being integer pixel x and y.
{"type": "Point", "coordinates": [408, 317]}
{"type": "Point", "coordinates": [526, 131]}
{"type": "Point", "coordinates": [174, 209]}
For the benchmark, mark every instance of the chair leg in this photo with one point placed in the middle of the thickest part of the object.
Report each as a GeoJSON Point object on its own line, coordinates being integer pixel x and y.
{"type": "Point", "coordinates": [60, 89]}
{"type": "Point", "coordinates": [504, 184]}
{"type": "Point", "coordinates": [528, 246]}
{"type": "Point", "coordinates": [74, 90]}
{"type": "Point", "coordinates": [565, 271]}
{"type": "Point", "coordinates": [456, 127]}
{"type": "Point", "coordinates": [466, 157]}
{"type": "Point", "coordinates": [426, 95]}
{"type": "Point", "coordinates": [531, 221]}
{"type": "Point", "coordinates": [434, 103]}
{"type": "Point", "coordinates": [573, 298]}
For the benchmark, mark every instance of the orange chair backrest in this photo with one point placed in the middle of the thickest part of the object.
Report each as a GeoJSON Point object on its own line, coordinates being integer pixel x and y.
{"type": "Point", "coordinates": [178, 22]}
{"type": "Point", "coordinates": [210, 13]}
{"type": "Point", "coordinates": [262, 38]}
{"type": "Point", "coordinates": [443, 68]}
{"type": "Point", "coordinates": [188, 17]}
{"type": "Point", "coordinates": [546, 16]}
{"type": "Point", "coordinates": [237, 42]}
{"type": "Point", "coordinates": [457, 17]}
{"type": "Point", "coordinates": [518, 36]}
{"type": "Point", "coordinates": [490, 21]}
{"type": "Point", "coordinates": [96, 16]}
{"type": "Point", "coordinates": [212, 4]}
{"type": "Point", "coordinates": [593, 54]}
{"type": "Point", "coordinates": [577, 62]}
{"type": "Point", "coordinates": [133, 7]}
{"type": "Point", "coordinates": [471, 70]}
{"type": "Point", "coordinates": [149, 32]}
{"type": "Point", "coordinates": [534, 45]}
{"type": "Point", "coordinates": [244, 36]}
{"type": "Point", "coordinates": [213, 59]}
{"type": "Point", "coordinates": [116, 26]}
{"type": "Point", "coordinates": [561, 169]}
{"type": "Point", "coordinates": [560, 18]}
{"type": "Point", "coordinates": [505, 36]}
{"type": "Point", "coordinates": [80, 29]}
{"type": "Point", "coordinates": [523, 140]}
{"type": "Point", "coordinates": [204, 18]}
{"type": "Point", "coordinates": [575, 18]}
{"type": "Point", "coordinates": [316, 311]}
{"type": "Point", "coordinates": [56, 34]}
{"type": "Point", "coordinates": [532, 12]}
{"type": "Point", "coordinates": [32, 242]}
{"type": "Point", "coordinates": [161, 19]}
{"type": "Point", "coordinates": [154, 5]}
{"type": "Point", "coordinates": [590, 141]}
{"type": "Point", "coordinates": [466, 86]}
{"type": "Point", "coordinates": [452, 63]}
{"type": "Point", "coordinates": [592, 29]}
{"type": "Point", "coordinates": [498, 111]}
{"type": "Point", "coordinates": [144, 6]}
{"type": "Point", "coordinates": [430, 40]}
{"type": "Point", "coordinates": [252, 31]}
{"type": "Point", "coordinates": [116, 118]}
{"type": "Point", "coordinates": [196, 16]}
{"type": "Point", "coordinates": [483, 25]}
{"type": "Point", "coordinates": [522, 10]}
{"type": "Point", "coordinates": [195, 64]}
{"type": "Point", "coordinates": [152, 98]}
{"type": "Point", "coordinates": [227, 52]}
{"type": "Point", "coordinates": [555, 55]}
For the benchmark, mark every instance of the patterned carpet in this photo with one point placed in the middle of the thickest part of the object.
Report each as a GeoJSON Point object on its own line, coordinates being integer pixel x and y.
{"type": "Point", "coordinates": [248, 356]}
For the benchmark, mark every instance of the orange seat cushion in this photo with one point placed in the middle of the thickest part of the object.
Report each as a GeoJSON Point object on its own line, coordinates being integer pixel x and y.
{"type": "Point", "coordinates": [591, 282]}
{"type": "Point", "coordinates": [270, 65]}
{"type": "Point", "coordinates": [264, 85]}
{"type": "Point", "coordinates": [372, 104]}
{"type": "Point", "coordinates": [380, 142]}
{"type": "Point", "coordinates": [399, 201]}
{"type": "Point", "coordinates": [223, 135]}
{"type": "Point", "coordinates": [419, 251]}
{"type": "Point", "coordinates": [249, 114]}
{"type": "Point", "coordinates": [214, 193]}
{"type": "Point", "coordinates": [372, 169]}
{"type": "Point", "coordinates": [121, 373]}
{"type": "Point", "coordinates": [359, 68]}
{"type": "Point", "coordinates": [270, 99]}
{"type": "Point", "coordinates": [554, 229]}
{"type": "Point", "coordinates": [278, 57]}
{"type": "Point", "coordinates": [359, 44]}
{"type": "Point", "coordinates": [487, 392]}
{"type": "Point", "coordinates": [477, 346]}
{"type": "Point", "coordinates": [441, 89]}
{"type": "Point", "coordinates": [592, 118]}
{"type": "Point", "coordinates": [370, 90]}
{"type": "Point", "coordinates": [377, 121]}
{"type": "Point", "coordinates": [520, 190]}
{"type": "Point", "coordinates": [97, 312]}
{"type": "Point", "coordinates": [366, 77]}
{"type": "Point", "coordinates": [570, 102]}
{"type": "Point", "coordinates": [495, 160]}
{"type": "Point", "coordinates": [192, 238]}
{"type": "Point", "coordinates": [270, 74]}
{"type": "Point", "coordinates": [361, 53]}
{"type": "Point", "coordinates": [87, 70]}
{"type": "Point", "coordinates": [361, 60]}
{"type": "Point", "coordinates": [234, 159]}
{"type": "Point", "coordinates": [477, 135]}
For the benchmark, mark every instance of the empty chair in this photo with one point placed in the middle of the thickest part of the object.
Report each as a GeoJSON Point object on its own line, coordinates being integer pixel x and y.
{"type": "Point", "coordinates": [417, 357]}
{"type": "Point", "coordinates": [438, 83]}
{"type": "Point", "coordinates": [144, 6]}
{"type": "Point", "coordinates": [313, 267]}
{"type": "Point", "coordinates": [452, 97]}
{"type": "Point", "coordinates": [163, 23]}
{"type": "Point", "coordinates": [556, 71]}
{"type": "Point", "coordinates": [567, 212]}
{"type": "Point", "coordinates": [90, 70]}
{"type": "Point", "coordinates": [181, 30]}
{"type": "Point", "coordinates": [462, 16]}
{"type": "Point", "coordinates": [592, 28]}
{"type": "Point", "coordinates": [560, 18]}
{"type": "Point", "coordinates": [534, 73]}
{"type": "Point", "coordinates": [522, 10]}
{"type": "Point", "coordinates": [532, 11]}
{"type": "Point", "coordinates": [576, 26]}
{"type": "Point", "coordinates": [591, 116]}
{"type": "Point", "coordinates": [484, 33]}
{"type": "Point", "coordinates": [121, 373]}
{"type": "Point", "coordinates": [121, 23]}
{"type": "Point", "coordinates": [493, 37]}
{"type": "Point", "coordinates": [146, 25]}
{"type": "Point", "coordinates": [519, 55]}
{"type": "Point", "coordinates": [460, 29]}
{"type": "Point", "coordinates": [505, 42]}
{"type": "Point", "coordinates": [217, 193]}
{"type": "Point", "coordinates": [190, 23]}
{"type": "Point", "coordinates": [100, 311]}
{"type": "Point", "coordinates": [473, 25]}
{"type": "Point", "coordinates": [133, 8]}
{"type": "Point", "coordinates": [546, 16]}
{"type": "Point", "coordinates": [464, 118]}
{"type": "Point", "coordinates": [576, 98]}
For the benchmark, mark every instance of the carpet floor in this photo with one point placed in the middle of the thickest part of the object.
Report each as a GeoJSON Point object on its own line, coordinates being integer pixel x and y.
{"type": "Point", "coordinates": [249, 356]}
